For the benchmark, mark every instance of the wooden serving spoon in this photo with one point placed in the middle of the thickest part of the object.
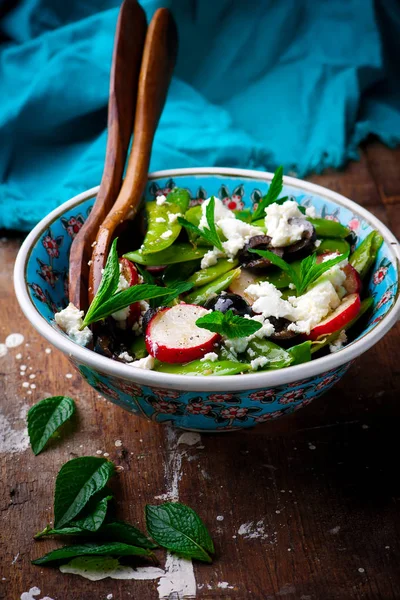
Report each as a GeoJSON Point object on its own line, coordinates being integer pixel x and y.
{"type": "Point", "coordinates": [158, 62]}
{"type": "Point", "coordinates": [127, 57]}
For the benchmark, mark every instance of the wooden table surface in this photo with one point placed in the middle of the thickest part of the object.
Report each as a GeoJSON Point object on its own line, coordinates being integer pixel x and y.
{"type": "Point", "coordinates": [309, 503]}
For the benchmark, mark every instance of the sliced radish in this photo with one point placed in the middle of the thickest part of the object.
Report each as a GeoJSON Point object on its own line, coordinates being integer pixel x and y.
{"type": "Point", "coordinates": [241, 283]}
{"type": "Point", "coordinates": [352, 283]}
{"type": "Point", "coordinates": [339, 318]}
{"type": "Point", "coordinates": [129, 271]}
{"type": "Point", "coordinates": [172, 335]}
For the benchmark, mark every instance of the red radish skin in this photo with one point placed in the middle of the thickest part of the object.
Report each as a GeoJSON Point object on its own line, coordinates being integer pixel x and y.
{"type": "Point", "coordinates": [345, 313]}
{"type": "Point", "coordinates": [172, 335]}
{"type": "Point", "coordinates": [129, 271]}
{"type": "Point", "coordinates": [352, 283]}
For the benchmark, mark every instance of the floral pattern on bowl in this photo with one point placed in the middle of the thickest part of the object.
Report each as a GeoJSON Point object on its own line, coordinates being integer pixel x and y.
{"type": "Point", "coordinates": [47, 280]}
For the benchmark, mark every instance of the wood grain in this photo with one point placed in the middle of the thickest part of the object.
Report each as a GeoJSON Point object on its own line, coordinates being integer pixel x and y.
{"type": "Point", "coordinates": [320, 483]}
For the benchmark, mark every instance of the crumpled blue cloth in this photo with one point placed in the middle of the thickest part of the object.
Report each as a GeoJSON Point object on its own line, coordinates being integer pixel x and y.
{"type": "Point", "coordinates": [257, 84]}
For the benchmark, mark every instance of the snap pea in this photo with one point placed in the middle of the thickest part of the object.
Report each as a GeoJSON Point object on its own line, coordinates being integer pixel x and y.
{"type": "Point", "coordinates": [280, 279]}
{"type": "Point", "coordinates": [300, 353]}
{"type": "Point", "coordinates": [333, 245]}
{"type": "Point", "coordinates": [330, 229]}
{"type": "Point", "coordinates": [260, 223]}
{"type": "Point", "coordinates": [277, 356]}
{"type": "Point", "coordinates": [179, 272]}
{"type": "Point", "coordinates": [203, 367]}
{"type": "Point", "coordinates": [324, 341]}
{"type": "Point", "coordinates": [180, 197]}
{"type": "Point", "coordinates": [138, 347]}
{"type": "Point", "coordinates": [193, 215]}
{"type": "Point", "coordinates": [177, 253]}
{"type": "Point", "coordinates": [162, 224]}
{"type": "Point", "coordinates": [365, 254]}
{"type": "Point", "coordinates": [209, 274]}
{"type": "Point", "coordinates": [203, 293]}
{"type": "Point", "coordinates": [243, 215]}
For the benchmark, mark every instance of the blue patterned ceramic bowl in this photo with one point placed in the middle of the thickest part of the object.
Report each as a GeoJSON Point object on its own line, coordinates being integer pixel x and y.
{"type": "Point", "coordinates": [202, 403]}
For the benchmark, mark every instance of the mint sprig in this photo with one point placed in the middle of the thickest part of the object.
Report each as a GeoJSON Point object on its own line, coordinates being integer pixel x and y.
{"type": "Point", "coordinates": [178, 528]}
{"type": "Point", "coordinates": [45, 417]}
{"type": "Point", "coordinates": [228, 324]}
{"type": "Point", "coordinates": [92, 549]}
{"type": "Point", "coordinates": [271, 196]}
{"type": "Point", "coordinates": [210, 234]}
{"type": "Point", "coordinates": [77, 481]}
{"type": "Point", "coordinates": [309, 270]}
{"type": "Point", "coordinates": [107, 301]}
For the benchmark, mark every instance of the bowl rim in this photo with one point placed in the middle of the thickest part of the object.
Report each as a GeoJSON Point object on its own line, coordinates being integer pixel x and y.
{"type": "Point", "coordinates": [210, 383]}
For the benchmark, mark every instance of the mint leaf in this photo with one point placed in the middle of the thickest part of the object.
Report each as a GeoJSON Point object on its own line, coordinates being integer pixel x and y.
{"type": "Point", "coordinates": [210, 234]}
{"type": "Point", "coordinates": [310, 271]}
{"type": "Point", "coordinates": [76, 483]}
{"type": "Point", "coordinates": [94, 513]}
{"type": "Point", "coordinates": [272, 195]}
{"type": "Point", "coordinates": [228, 324]}
{"type": "Point", "coordinates": [178, 528]}
{"type": "Point", "coordinates": [279, 262]}
{"type": "Point", "coordinates": [120, 531]}
{"type": "Point", "coordinates": [117, 531]}
{"type": "Point", "coordinates": [123, 299]}
{"type": "Point", "coordinates": [171, 293]}
{"type": "Point", "coordinates": [45, 417]}
{"type": "Point", "coordinates": [92, 549]}
{"type": "Point", "coordinates": [108, 284]}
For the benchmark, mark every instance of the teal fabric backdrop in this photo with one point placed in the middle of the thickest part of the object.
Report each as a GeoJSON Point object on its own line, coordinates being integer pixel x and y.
{"type": "Point", "coordinates": [258, 83]}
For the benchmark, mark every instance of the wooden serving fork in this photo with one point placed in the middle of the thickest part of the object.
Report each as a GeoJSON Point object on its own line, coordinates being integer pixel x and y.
{"type": "Point", "coordinates": [124, 79]}
{"type": "Point", "coordinates": [159, 56]}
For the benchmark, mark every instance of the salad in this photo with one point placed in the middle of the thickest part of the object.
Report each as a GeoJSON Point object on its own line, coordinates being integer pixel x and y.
{"type": "Point", "coordinates": [211, 291]}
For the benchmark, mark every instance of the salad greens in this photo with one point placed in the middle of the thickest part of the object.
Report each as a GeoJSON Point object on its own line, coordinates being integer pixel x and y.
{"type": "Point", "coordinates": [210, 234]}
{"type": "Point", "coordinates": [228, 324]}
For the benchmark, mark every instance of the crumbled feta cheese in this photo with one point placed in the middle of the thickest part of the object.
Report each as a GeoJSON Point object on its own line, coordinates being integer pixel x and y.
{"type": "Point", "coordinates": [311, 212]}
{"type": "Point", "coordinates": [160, 220]}
{"type": "Point", "coordinates": [237, 234]}
{"type": "Point", "coordinates": [144, 306]}
{"type": "Point", "coordinates": [144, 363]}
{"type": "Point", "coordinates": [120, 316]}
{"type": "Point", "coordinates": [268, 300]}
{"type": "Point", "coordinates": [236, 345]}
{"type": "Point", "coordinates": [277, 223]}
{"type": "Point", "coordinates": [258, 362]}
{"type": "Point", "coordinates": [166, 234]}
{"type": "Point", "coordinates": [173, 217]}
{"type": "Point", "coordinates": [126, 357]}
{"type": "Point", "coordinates": [210, 258]}
{"type": "Point", "coordinates": [317, 243]}
{"type": "Point", "coordinates": [220, 212]}
{"type": "Point", "coordinates": [70, 320]}
{"type": "Point", "coordinates": [210, 356]}
{"type": "Point", "coordinates": [310, 308]}
{"type": "Point", "coordinates": [340, 341]}
{"type": "Point", "coordinates": [161, 200]}
{"type": "Point", "coordinates": [122, 283]}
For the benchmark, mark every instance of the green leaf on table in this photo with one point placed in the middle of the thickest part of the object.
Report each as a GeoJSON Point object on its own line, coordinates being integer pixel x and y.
{"type": "Point", "coordinates": [91, 549]}
{"type": "Point", "coordinates": [178, 528]}
{"type": "Point", "coordinates": [300, 353]}
{"type": "Point", "coordinates": [77, 481]}
{"type": "Point", "coordinates": [228, 324]}
{"type": "Point", "coordinates": [116, 531]}
{"type": "Point", "coordinates": [274, 190]}
{"type": "Point", "coordinates": [108, 284]}
{"type": "Point", "coordinates": [45, 417]}
{"type": "Point", "coordinates": [210, 234]}
{"type": "Point", "coordinates": [119, 531]}
{"type": "Point", "coordinates": [93, 514]}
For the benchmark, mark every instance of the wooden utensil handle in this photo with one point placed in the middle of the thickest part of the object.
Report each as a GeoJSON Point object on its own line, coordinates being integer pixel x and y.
{"type": "Point", "coordinates": [158, 61]}
{"type": "Point", "coordinates": [124, 80]}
